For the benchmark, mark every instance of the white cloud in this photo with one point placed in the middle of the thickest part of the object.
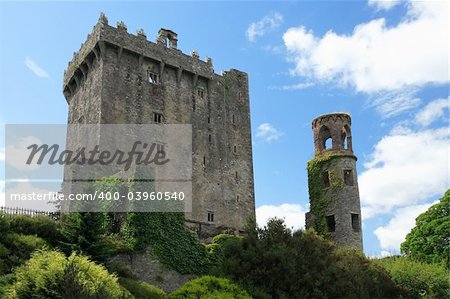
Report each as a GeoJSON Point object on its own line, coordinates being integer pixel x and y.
{"type": "Point", "coordinates": [267, 132]}
{"type": "Point", "coordinates": [392, 103]}
{"type": "Point", "coordinates": [383, 4]}
{"type": "Point", "coordinates": [377, 57]}
{"type": "Point", "coordinates": [432, 112]}
{"type": "Point", "coordinates": [406, 168]}
{"type": "Point", "coordinates": [263, 26]}
{"type": "Point", "coordinates": [393, 234]}
{"type": "Point", "coordinates": [18, 154]}
{"type": "Point", "coordinates": [297, 86]}
{"type": "Point", "coordinates": [36, 69]}
{"type": "Point", "coordinates": [293, 214]}
{"type": "Point", "coordinates": [2, 154]}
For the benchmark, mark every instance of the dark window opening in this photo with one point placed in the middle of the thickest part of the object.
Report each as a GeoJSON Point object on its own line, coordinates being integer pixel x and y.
{"type": "Point", "coordinates": [236, 175]}
{"type": "Point", "coordinates": [157, 118]}
{"type": "Point", "coordinates": [355, 222]}
{"type": "Point", "coordinates": [348, 177]}
{"type": "Point", "coordinates": [331, 224]}
{"type": "Point", "coordinates": [210, 217]}
{"type": "Point", "coordinates": [237, 198]}
{"type": "Point", "coordinates": [152, 78]}
{"type": "Point", "coordinates": [209, 120]}
{"type": "Point", "coordinates": [235, 149]}
{"type": "Point", "coordinates": [200, 93]}
{"type": "Point", "coordinates": [344, 140]}
{"type": "Point", "coordinates": [193, 104]}
{"type": "Point", "coordinates": [209, 138]}
{"type": "Point", "coordinates": [326, 179]}
{"type": "Point", "coordinates": [234, 119]}
{"type": "Point", "coordinates": [204, 160]}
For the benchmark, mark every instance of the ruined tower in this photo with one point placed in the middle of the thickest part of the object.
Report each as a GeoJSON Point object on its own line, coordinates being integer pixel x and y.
{"type": "Point", "coordinates": [335, 208]}
{"type": "Point", "coordinates": [121, 78]}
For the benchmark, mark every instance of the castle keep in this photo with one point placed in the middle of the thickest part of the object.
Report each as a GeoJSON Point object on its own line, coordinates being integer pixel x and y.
{"type": "Point", "coordinates": [120, 78]}
{"type": "Point", "coordinates": [335, 208]}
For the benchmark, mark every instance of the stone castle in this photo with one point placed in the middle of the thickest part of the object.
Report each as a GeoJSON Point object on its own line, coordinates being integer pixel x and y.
{"type": "Point", "coordinates": [120, 78]}
{"type": "Point", "coordinates": [333, 186]}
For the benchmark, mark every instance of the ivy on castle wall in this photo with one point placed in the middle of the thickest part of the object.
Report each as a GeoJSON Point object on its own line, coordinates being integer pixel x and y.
{"type": "Point", "coordinates": [317, 190]}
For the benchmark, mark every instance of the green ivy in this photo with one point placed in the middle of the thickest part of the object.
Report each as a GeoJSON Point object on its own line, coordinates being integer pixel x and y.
{"type": "Point", "coordinates": [319, 200]}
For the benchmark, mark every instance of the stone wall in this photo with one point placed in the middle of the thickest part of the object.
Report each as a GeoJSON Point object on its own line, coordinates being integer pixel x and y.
{"type": "Point", "coordinates": [109, 81]}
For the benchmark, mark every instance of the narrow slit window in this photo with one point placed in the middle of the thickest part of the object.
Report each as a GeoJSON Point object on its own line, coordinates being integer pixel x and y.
{"type": "Point", "coordinates": [157, 118]}
{"type": "Point", "coordinates": [235, 149]}
{"type": "Point", "coordinates": [331, 223]}
{"type": "Point", "coordinates": [201, 93]}
{"type": "Point", "coordinates": [204, 160]}
{"type": "Point", "coordinates": [209, 138]}
{"type": "Point", "coordinates": [152, 78]}
{"type": "Point", "coordinates": [210, 217]}
{"type": "Point", "coordinates": [355, 222]}
{"type": "Point", "coordinates": [209, 120]}
{"type": "Point", "coordinates": [193, 104]}
{"type": "Point", "coordinates": [237, 198]}
{"type": "Point", "coordinates": [236, 175]}
{"type": "Point", "coordinates": [348, 177]}
{"type": "Point", "coordinates": [326, 179]}
{"type": "Point", "coordinates": [234, 119]}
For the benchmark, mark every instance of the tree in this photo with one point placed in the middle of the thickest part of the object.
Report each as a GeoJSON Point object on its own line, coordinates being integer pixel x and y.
{"type": "Point", "coordinates": [429, 240]}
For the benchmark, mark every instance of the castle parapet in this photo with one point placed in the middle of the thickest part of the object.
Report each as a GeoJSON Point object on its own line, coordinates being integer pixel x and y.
{"type": "Point", "coordinates": [165, 51]}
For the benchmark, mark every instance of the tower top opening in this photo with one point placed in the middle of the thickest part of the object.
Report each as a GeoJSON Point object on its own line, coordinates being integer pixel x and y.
{"type": "Point", "coordinates": [332, 132]}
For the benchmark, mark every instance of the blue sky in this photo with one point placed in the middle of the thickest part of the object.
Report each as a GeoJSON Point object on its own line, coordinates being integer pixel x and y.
{"type": "Point", "coordinates": [386, 63]}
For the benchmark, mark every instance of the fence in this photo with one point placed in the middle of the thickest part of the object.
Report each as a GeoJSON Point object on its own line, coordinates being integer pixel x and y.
{"type": "Point", "coordinates": [28, 212]}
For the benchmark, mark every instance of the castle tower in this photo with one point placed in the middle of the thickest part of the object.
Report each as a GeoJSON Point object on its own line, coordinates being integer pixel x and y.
{"type": "Point", "coordinates": [121, 78]}
{"type": "Point", "coordinates": [335, 209]}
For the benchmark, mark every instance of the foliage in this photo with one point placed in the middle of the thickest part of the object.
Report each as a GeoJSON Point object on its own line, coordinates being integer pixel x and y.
{"type": "Point", "coordinates": [210, 287]}
{"type": "Point", "coordinates": [49, 274]}
{"type": "Point", "coordinates": [174, 244]}
{"type": "Point", "coordinates": [83, 233]}
{"type": "Point", "coordinates": [142, 290]}
{"type": "Point", "coordinates": [316, 187]}
{"type": "Point", "coordinates": [216, 250]}
{"type": "Point", "coordinates": [421, 280]}
{"type": "Point", "coordinates": [15, 249]}
{"type": "Point", "coordinates": [119, 268]}
{"type": "Point", "coordinates": [429, 240]}
{"type": "Point", "coordinates": [273, 262]}
{"type": "Point", "coordinates": [6, 282]}
{"type": "Point", "coordinates": [41, 226]}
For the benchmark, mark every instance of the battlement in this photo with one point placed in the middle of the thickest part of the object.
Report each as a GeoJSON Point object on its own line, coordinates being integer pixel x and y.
{"type": "Point", "coordinates": [335, 127]}
{"type": "Point", "coordinates": [164, 50]}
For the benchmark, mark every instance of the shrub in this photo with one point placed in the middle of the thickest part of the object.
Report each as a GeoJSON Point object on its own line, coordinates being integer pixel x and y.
{"type": "Point", "coordinates": [142, 290]}
{"type": "Point", "coordinates": [41, 226]}
{"type": "Point", "coordinates": [16, 249]}
{"type": "Point", "coordinates": [216, 250]}
{"type": "Point", "coordinates": [210, 287]}
{"type": "Point", "coordinates": [421, 280]}
{"type": "Point", "coordinates": [119, 268]}
{"type": "Point", "coordinates": [49, 274]}
{"type": "Point", "coordinates": [6, 282]}
{"type": "Point", "coordinates": [273, 262]}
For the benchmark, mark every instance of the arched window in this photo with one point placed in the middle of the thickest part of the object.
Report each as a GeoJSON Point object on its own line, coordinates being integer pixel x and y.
{"type": "Point", "coordinates": [325, 138]}
{"type": "Point", "coordinates": [346, 138]}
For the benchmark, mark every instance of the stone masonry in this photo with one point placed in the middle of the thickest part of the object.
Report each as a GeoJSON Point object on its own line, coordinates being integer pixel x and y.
{"type": "Point", "coordinates": [343, 209]}
{"type": "Point", "coordinates": [120, 78]}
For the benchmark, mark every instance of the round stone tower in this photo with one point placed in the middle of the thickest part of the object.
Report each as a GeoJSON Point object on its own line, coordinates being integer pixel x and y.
{"type": "Point", "coordinates": [335, 209]}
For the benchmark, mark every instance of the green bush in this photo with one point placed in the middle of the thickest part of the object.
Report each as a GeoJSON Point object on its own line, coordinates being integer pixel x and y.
{"type": "Point", "coordinates": [216, 251]}
{"type": "Point", "coordinates": [16, 249]}
{"type": "Point", "coordinates": [142, 290]}
{"type": "Point", "coordinates": [6, 282]}
{"type": "Point", "coordinates": [210, 287]}
{"type": "Point", "coordinates": [41, 226]}
{"type": "Point", "coordinates": [273, 262]}
{"type": "Point", "coordinates": [4, 226]}
{"type": "Point", "coordinates": [119, 268]}
{"type": "Point", "coordinates": [421, 280]}
{"type": "Point", "coordinates": [49, 274]}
